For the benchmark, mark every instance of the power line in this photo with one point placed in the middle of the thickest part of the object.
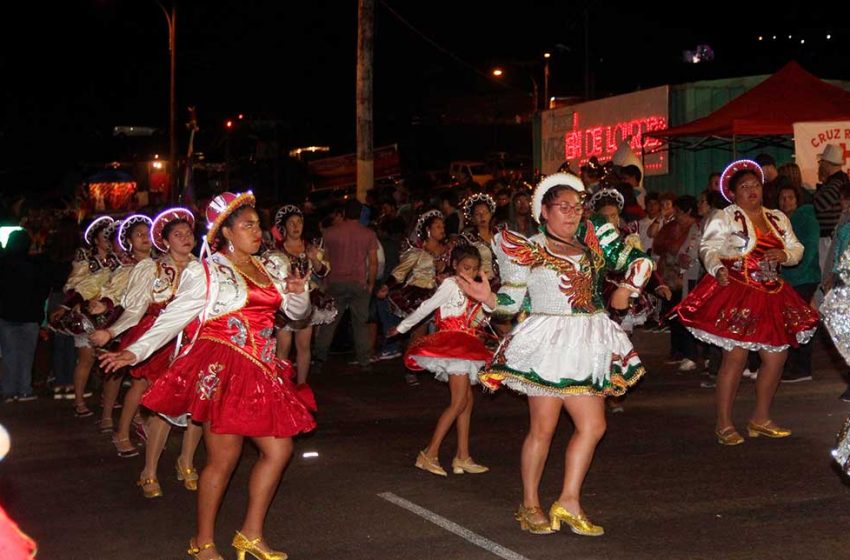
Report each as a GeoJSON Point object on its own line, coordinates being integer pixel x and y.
{"type": "Point", "coordinates": [442, 49]}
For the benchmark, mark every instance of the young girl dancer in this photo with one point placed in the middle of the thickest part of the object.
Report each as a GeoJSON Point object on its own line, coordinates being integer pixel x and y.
{"type": "Point", "coordinates": [455, 354]}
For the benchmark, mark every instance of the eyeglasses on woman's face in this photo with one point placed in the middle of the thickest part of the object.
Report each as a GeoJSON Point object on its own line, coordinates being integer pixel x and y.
{"type": "Point", "coordinates": [567, 208]}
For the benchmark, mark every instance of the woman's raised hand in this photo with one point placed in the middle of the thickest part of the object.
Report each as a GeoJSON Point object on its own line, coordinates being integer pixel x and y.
{"type": "Point", "coordinates": [113, 361]}
{"type": "Point", "coordinates": [479, 290]}
{"type": "Point", "coordinates": [295, 283]}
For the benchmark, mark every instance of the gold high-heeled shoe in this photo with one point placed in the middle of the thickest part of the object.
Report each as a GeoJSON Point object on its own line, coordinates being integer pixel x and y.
{"type": "Point", "coordinates": [428, 464]}
{"type": "Point", "coordinates": [768, 429]}
{"type": "Point", "coordinates": [242, 545]}
{"type": "Point", "coordinates": [467, 466]}
{"type": "Point", "coordinates": [526, 523]}
{"type": "Point", "coordinates": [188, 476]}
{"type": "Point", "coordinates": [728, 436]}
{"type": "Point", "coordinates": [195, 550]}
{"type": "Point", "coordinates": [579, 524]}
{"type": "Point", "coordinates": [154, 490]}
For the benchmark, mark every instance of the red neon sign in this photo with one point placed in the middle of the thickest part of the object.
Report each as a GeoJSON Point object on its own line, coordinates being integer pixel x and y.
{"type": "Point", "coordinates": [580, 144]}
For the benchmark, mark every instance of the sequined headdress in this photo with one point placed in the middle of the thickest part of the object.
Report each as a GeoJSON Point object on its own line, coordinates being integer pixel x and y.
{"type": "Point", "coordinates": [734, 167]}
{"type": "Point", "coordinates": [549, 182]}
{"type": "Point", "coordinates": [420, 223]}
{"type": "Point", "coordinates": [220, 208]}
{"type": "Point", "coordinates": [474, 199]}
{"type": "Point", "coordinates": [607, 195]}
{"type": "Point", "coordinates": [127, 225]}
{"type": "Point", "coordinates": [112, 229]}
{"type": "Point", "coordinates": [163, 219]}
{"type": "Point", "coordinates": [283, 214]}
{"type": "Point", "coordinates": [95, 227]}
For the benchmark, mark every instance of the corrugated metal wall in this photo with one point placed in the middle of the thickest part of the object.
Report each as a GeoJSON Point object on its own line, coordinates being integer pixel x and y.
{"type": "Point", "coordinates": [689, 170]}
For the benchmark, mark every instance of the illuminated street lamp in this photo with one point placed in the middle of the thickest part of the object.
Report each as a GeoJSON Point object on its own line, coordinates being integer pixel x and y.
{"type": "Point", "coordinates": [499, 73]}
{"type": "Point", "coordinates": [546, 57]}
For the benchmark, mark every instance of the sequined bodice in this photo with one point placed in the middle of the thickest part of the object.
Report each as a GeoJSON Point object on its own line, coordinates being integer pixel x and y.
{"type": "Point", "coordinates": [250, 329]}
{"type": "Point", "coordinates": [166, 281]}
{"type": "Point", "coordinates": [298, 260]}
{"type": "Point", "coordinates": [96, 263]}
{"type": "Point", "coordinates": [564, 287]}
{"type": "Point", "coordinates": [753, 268]}
{"type": "Point", "coordinates": [463, 322]}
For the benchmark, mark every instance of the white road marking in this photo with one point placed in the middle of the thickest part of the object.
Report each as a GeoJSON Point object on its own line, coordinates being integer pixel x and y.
{"type": "Point", "coordinates": [452, 527]}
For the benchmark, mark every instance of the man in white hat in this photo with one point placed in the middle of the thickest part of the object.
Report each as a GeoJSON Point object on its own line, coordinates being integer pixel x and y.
{"type": "Point", "coordinates": [827, 199]}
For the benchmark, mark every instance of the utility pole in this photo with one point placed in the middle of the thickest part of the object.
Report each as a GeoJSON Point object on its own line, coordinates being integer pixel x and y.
{"type": "Point", "coordinates": [171, 20]}
{"type": "Point", "coordinates": [365, 52]}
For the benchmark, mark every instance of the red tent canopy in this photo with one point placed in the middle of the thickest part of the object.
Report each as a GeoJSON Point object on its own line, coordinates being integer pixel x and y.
{"type": "Point", "coordinates": [771, 108]}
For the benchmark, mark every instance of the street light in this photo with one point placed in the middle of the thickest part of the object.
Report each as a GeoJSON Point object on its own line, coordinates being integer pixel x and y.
{"type": "Point", "coordinates": [171, 20]}
{"type": "Point", "coordinates": [499, 72]}
{"type": "Point", "coordinates": [546, 57]}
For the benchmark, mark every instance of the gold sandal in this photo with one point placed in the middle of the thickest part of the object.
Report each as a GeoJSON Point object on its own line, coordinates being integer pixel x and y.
{"type": "Point", "coordinates": [195, 550]}
{"type": "Point", "coordinates": [579, 524]}
{"type": "Point", "coordinates": [188, 476]}
{"type": "Point", "coordinates": [768, 429]}
{"type": "Point", "coordinates": [428, 464]}
{"type": "Point", "coordinates": [242, 545]}
{"type": "Point", "coordinates": [526, 523]}
{"type": "Point", "coordinates": [728, 436]}
{"type": "Point", "coordinates": [125, 453]}
{"type": "Point", "coordinates": [155, 490]}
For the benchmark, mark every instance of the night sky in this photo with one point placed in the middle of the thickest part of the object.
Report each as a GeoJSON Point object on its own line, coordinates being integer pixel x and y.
{"type": "Point", "coordinates": [73, 70]}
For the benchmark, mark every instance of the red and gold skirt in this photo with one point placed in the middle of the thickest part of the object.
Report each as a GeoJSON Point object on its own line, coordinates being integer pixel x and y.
{"type": "Point", "coordinates": [234, 393]}
{"type": "Point", "coordinates": [449, 352]}
{"type": "Point", "coordinates": [154, 366]}
{"type": "Point", "coordinates": [747, 317]}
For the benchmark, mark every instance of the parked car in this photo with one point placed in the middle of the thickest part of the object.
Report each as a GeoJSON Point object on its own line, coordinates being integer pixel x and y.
{"type": "Point", "coordinates": [477, 170]}
{"type": "Point", "coordinates": [510, 168]}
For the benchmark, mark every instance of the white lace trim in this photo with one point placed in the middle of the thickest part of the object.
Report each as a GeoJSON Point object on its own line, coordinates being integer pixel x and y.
{"type": "Point", "coordinates": [443, 367]}
{"type": "Point", "coordinates": [728, 344]}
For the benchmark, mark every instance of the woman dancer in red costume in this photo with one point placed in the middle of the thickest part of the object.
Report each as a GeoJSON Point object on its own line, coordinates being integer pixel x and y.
{"type": "Point", "coordinates": [228, 377]}
{"type": "Point", "coordinates": [132, 246]}
{"type": "Point", "coordinates": [152, 286]}
{"type": "Point", "coordinates": [743, 304]}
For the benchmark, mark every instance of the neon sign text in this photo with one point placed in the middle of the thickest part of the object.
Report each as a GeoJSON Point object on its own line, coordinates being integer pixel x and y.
{"type": "Point", "coordinates": [602, 141]}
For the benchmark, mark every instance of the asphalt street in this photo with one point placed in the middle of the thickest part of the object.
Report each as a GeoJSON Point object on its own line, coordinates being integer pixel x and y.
{"type": "Point", "coordinates": [660, 484]}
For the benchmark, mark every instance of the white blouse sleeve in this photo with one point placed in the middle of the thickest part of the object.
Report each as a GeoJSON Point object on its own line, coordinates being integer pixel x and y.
{"type": "Point", "coordinates": [793, 247]}
{"type": "Point", "coordinates": [712, 242]}
{"type": "Point", "coordinates": [297, 306]}
{"type": "Point", "coordinates": [137, 297]}
{"type": "Point", "coordinates": [79, 270]}
{"type": "Point", "coordinates": [514, 277]}
{"type": "Point", "coordinates": [294, 306]}
{"type": "Point", "coordinates": [188, 304]}
{"type": "Point", "coordinates": [116, 286]}
{"type": "Point", "coordinates": [90, 286]}
{"type": "Point", "coordinates": [406, 264]}
{"type": "Point", "coordinates": [442, 296]}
